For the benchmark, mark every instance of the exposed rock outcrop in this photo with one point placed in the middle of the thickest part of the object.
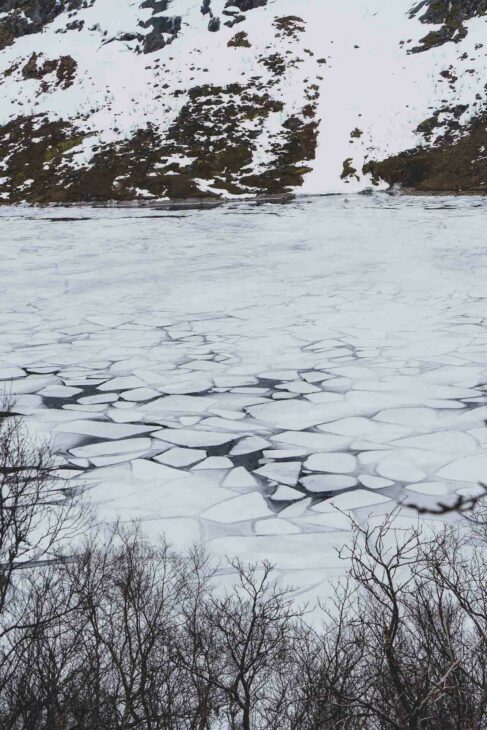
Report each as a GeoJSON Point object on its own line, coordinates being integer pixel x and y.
{"type": "Point", "coordinates": [25, 17]}
{"type": "Point", "coordinates": [451, 15]}
{"type": "Point", "coordinates": [245, 5]}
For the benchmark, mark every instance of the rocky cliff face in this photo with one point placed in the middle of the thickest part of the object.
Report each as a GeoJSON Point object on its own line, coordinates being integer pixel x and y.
{"type": "Point", "coordinates": [120, 100]}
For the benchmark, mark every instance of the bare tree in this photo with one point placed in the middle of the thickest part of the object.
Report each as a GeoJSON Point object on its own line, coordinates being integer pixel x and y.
{"type": "Point", "coordinates": [124, 634]}
{"type": "Point", "coordinates": [255, 626]}
{"type": "Point", "coordinates": [37, 517]}
{"type": "Point", "coordinates": [328, 660]}
{"type": "Point", "coordinates": [198, 649]}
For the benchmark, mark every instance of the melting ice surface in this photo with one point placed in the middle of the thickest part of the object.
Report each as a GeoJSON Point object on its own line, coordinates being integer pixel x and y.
{"type": "Point", "coordinates": [228, 375]}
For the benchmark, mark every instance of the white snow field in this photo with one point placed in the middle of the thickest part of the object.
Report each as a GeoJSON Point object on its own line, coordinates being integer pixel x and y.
{"type": "Point", "coordinates": [229, 374]}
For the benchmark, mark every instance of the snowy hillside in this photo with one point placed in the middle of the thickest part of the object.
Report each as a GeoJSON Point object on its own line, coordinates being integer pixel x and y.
{"type": "Point", "coordinates": [165, 99]}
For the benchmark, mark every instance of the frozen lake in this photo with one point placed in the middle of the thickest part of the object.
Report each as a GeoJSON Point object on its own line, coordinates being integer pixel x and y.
{"type": "Point", "coordinates": [227, 375]}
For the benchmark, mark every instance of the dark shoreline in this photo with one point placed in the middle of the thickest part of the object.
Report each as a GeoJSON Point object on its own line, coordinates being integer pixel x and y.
{"type": "Point", "coordinates": [209, 203]}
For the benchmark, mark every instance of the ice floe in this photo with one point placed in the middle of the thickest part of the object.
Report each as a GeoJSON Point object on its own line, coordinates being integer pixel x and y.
{"type": "Point", "coordinates": [263, 365]}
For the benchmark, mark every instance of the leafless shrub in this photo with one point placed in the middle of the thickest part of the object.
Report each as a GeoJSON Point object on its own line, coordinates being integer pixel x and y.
{"type": "Point", "coordinates": [462, 505]}
{"type": "Point", "coordinates": [36, 519]}
{"type": "Point", "coordinates": [255, 629]}
{"type": "Point", "coordinates": [35, 516]}
{"type": "Point", "coordinates": [124, 634]}
{"type": "Point", "coordinates": [131, 635]}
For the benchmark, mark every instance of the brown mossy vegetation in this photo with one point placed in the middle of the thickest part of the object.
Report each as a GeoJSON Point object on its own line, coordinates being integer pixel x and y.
{"type": "Point", "coordinates": [117, 171]}
{"type": "Point", "coordinates": [216, 131]}
{"type": "Point", "coordinates": [211, 129]}
{"type": "Point", "coordinates": [296, 146]}
{"type": "Point", "coordinates": [239, 40]}
{"type": "Point", "coordinates": [289, 25]}
{"type": "Point", "coordinates": [450, 166]}
{"type": "Point", "coordinates": [32, 70]}
{"type": "Point", "coordinates": [38, 169]}
{"type": "Point", "coordinates": [449, 125]}
{"type": "Point", "coordinates": [349, 171]}
{"type": "Point", "coordinates": [65, 68]}
{"type": "Point", "coordinates": [275, 63]}
{"type": "Point", "coordinates": [66, 71]}
{"type": "Point", "coordinates": [210, 149]}
{"type": "Point", "coordinates": [35, 153]}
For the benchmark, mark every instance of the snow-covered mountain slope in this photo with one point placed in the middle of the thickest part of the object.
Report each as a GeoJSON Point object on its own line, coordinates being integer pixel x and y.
{"type": "Point", "coordinates": [165, 99]}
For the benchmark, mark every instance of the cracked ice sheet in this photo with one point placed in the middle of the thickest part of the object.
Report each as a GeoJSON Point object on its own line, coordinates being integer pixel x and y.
{"type": "Point", "coordinates": [367, 313]}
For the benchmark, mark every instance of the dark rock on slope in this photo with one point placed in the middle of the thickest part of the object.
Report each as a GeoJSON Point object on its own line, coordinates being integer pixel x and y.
{"type": "Point", "coordinates": [25, 17]}
{"type": "Point", "coordinates": [245, 5]}
{"type": "Point", "coordinates": [451, 15]}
